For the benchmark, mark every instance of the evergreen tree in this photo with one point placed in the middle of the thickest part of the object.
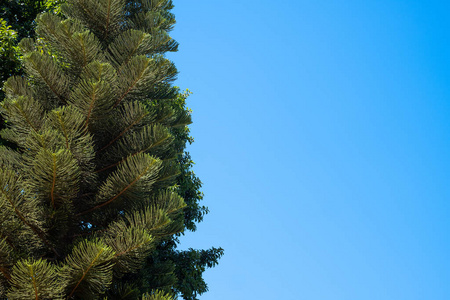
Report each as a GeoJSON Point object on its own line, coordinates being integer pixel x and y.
{"type": "Point", "coordinates": [89, 200]}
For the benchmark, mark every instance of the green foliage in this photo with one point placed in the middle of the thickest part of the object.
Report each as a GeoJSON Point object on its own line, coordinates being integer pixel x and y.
{"type": "Point", "coordinates": [35, 279]}
{"type": "Point", "coordinates": [17, 22]}
{"type": "Point", "coordinates": [159, 295]}
{"type": "Point", "coordinates": [190, 266]}
{"type": "Point", "coordinates": [54, 177]}
{"type": "Point", "coordinates": [8, 52]}
{"type": "Point", "coordinates": [8, 48]}
{"type": "Point", "coordinates": [20, 213]}
{"type": "Point", "coordinates": [88, 269]}
{"type": "Point", "coordinates": [95, 181]}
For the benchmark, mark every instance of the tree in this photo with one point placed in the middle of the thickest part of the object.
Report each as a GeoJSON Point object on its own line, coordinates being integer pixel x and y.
{"type": "Point", "coordinates": [20, 14]}
{"type": "Point", "coordinates": [99, 131]}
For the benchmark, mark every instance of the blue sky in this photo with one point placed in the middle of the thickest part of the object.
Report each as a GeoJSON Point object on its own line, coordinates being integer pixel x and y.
{"type": "Point", "coordinates": [322, 137]}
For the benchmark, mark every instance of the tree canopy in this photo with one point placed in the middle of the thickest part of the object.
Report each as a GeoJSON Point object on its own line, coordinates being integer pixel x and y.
{"type": "Point", "coordinates": [97, 182]}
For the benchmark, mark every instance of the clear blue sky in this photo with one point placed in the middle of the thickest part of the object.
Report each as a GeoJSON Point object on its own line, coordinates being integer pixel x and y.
{"type": "Point", "coordinates": [322, 137]}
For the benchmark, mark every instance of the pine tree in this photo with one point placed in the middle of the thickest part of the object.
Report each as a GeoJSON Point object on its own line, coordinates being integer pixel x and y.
{"type": "Point", "coordinates": [89, 205]}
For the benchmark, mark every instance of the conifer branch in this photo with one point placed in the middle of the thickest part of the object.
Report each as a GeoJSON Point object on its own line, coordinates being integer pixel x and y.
{"type": "Point", "coordinates": [63, 127]}
{"type": "Point", "coordinates": [129, 250]}
{"type": "Point", "coordinates": [85, 272]}
{"type": "Point", "coordinates": [86, 10]}
{"type": "Point", "coordinates": [131, 54]}
{"type": "Point", "coordinates": [33, 277]}
{"type": "Point", "coordinates": [133, 154]}
{"type": "Point", "coordinates": [160, 226]}
{"type": "Point", "coordinates": [36, 230]}
{"type": "Point", "coordinates": [124, 131]}
{"type": "Point", "coordinates": [107, 20]}
{"type": "Point", "coordinates": [55, 177]}
{"type": "Point", "coordinates": [7, 240]}
{"type": "Point", "coordinates": [26, 118]}
{"type": "Point", "coordinates": [91, 106]}
{"type": "Point", "coordinates": [140, 175]}
{"type": "Point", "coordinates": [130, 87]}
{"type": "Point", "coordinates": [48, 83]}
{"type": "Point", "coordinates": [83, 46]}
